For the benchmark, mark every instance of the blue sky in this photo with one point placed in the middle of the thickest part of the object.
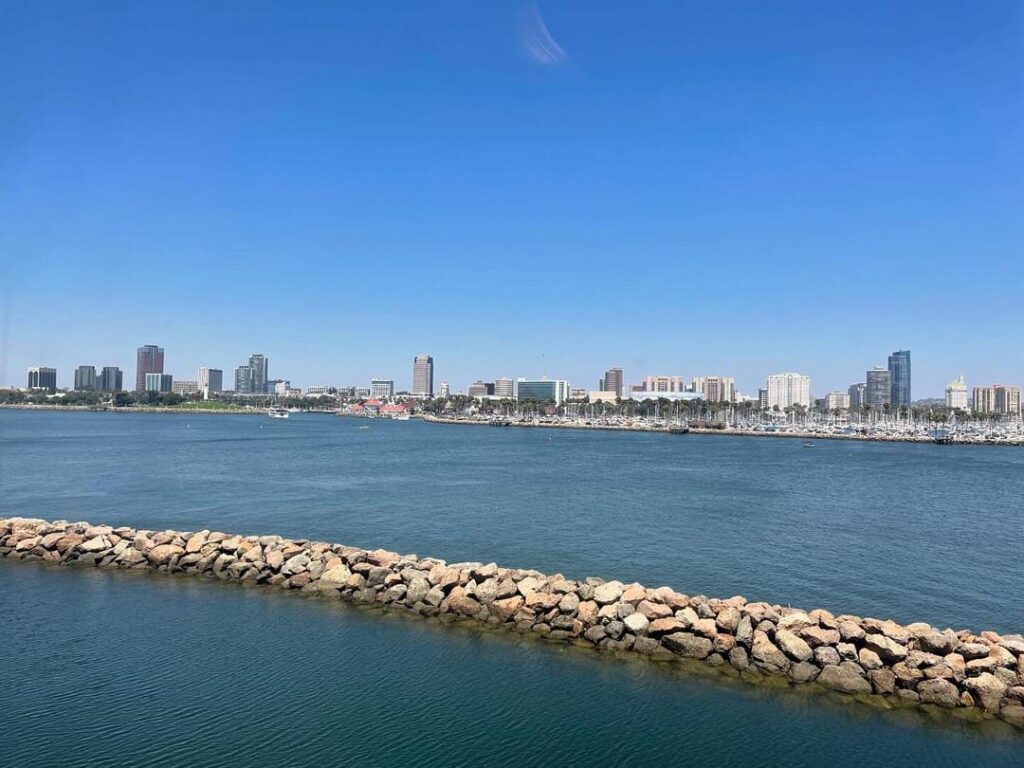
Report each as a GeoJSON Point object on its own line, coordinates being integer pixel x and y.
{"type": "Point", "coordinates": [677, 187]}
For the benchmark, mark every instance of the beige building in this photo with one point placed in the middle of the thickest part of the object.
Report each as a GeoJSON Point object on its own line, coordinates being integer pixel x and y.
{"type": "Point", "coordinates": [664, 384]}
{"type": "Point", "coordinates": [602, 396]}
{"type": "Point", "coordinates": [956, 393]}
{"type": "Point", "coordinates": [837, 401]}
{"type": "Point", "coordinates": [786, 389]}
{"type": "Point", "coordinates": [997, 400]}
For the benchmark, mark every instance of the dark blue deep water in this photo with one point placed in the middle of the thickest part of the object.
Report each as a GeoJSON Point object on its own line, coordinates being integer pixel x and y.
{"type": "Point", "coordinates": [125, 669]}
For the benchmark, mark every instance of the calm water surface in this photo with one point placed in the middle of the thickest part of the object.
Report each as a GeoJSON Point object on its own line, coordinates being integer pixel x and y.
{"type": "Point", "coordinates": [132, 670]}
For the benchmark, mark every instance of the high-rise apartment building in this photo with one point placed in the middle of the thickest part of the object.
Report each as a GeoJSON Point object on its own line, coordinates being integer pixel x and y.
{"type": "Point", "coordinates": [382, 388]}
{"type": "Point", "coordinates": [612, 382]}
{"type": "Point", "coordinates": [423, 375]}
{"type": "Point", "coordinates": [543, 390]}
{"type": "Point", "coordinates": [260, 366]}
{"type": "Point", "coordinates": [159, 382]}
{"type": "Point", "coordinates": [899, 378]}
{"type": "Point", "coordinates": [148, 359]}
{"type": "Point", "coordinates": [42, 378]}
{"type": "Point", "coordinates": [85, 378]}
{"type": "Point", "coordinates": [715, 389]}
{"type": "Point", "coordinates": [858, 396]}
{"type": "Point", "coordinates": [956, 394]}
{"type": "Point", "coordinates": [504, 388]}
{"type": "Point", "coordinates": [997, 400]}
{"type": "Point", "coordinates": [211, 381]}
{"type": "Point", "coordinates": [786, 389]}
{"type": "Point", "coordinates": [111, 379]}
{"type": "Point", "coordinates": [878, 388]}
{"type": "Point", "coordinates": [664, 384]}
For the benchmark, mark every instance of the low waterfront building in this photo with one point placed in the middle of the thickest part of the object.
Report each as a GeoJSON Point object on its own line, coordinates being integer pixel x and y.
{"type": "Point", "coordinates": [542, 390]}
{"type": "Point", "coordinates": [159, 382]}
{"type": "Point", "coordinates": [382, 388]}
{"type": "Point", "coordinates": [185, 388]}
{"type": "Point", "coordinates": [837, 401]}
{"type": "Point", "coordinates": [956, 394]}
{"type": "Point", "coordinates": [789, 389]}
{"type": "Point", "coordinates": [85, 378]}
{"type": "Point", "coordinates": [111, 379]}
{"type": "Point", "coordinates": [675, 397]}
{"type": "Point", "coordinates": [41, 377]}
{"type": "Point", "coordinates": [480, 389]}
{"type": "Point", "coordinates": [603, 396]}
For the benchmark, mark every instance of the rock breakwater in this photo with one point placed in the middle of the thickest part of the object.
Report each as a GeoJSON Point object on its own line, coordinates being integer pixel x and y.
{"type": "Point", "coordinates": [977, 673]}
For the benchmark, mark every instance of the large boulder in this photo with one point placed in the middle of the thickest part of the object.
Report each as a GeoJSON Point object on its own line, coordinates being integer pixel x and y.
{"type": "Point", "coordinates": [609, 592]}
{"type": "Point", "coordinates": [162, 553]}
{"type": "Point", "coordinates": [988, 690]}
{"type": "Point", "coordinates": [793, 646]}
{"type": "Point", "coordinates": [688, 645]}
{"type": "Point", "coordinates": [767, 655]}
{"type": "Point", "coordinates": [845, 677]}
{"type": "Point", "coordinates": [938, 691]}
{"type": "Point", "coordinates": [888, 649]}
{"type": "Point", "coordinates": [334, 578]}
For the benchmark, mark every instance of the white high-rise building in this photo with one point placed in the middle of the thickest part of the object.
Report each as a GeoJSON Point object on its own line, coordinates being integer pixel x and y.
{"type": "Point", "coordinates": [956, 393]}
{"type": "Point", "coordinates": [504, 388]}
{"type": "Point", "coordinates": [382, 389]}
{"type": "Point", "coordinates": [786, 389]}
{"type": "Point", "coordinates": [837, 401]}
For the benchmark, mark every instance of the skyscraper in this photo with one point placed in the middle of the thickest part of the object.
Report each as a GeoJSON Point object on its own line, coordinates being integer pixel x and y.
{"type": "Point", "coordinates": [786, 389]}
{"type": "Point", "coordinates": [878, 389]}
{"type": "Point", "coordinates": [423, 375]}
{"type": "Point", "coordinates": [612, 381]}
{"type": "Point", "coordinates": [111, 379]}
{"type": "Point", "coordinates": [148, 359]}
{"type": "Point", "coordinates": [858, 395]}
{"type": "Point", "coordinates": [244, 380]}
{"type": "Point", "coordinates": [85, 378]}
{"type": "Point", "coordinates": [42, 378]}
{"type": "Point", "coordinates": [899, 375]}
{"type": "Point", "coordinates": [260, 373]}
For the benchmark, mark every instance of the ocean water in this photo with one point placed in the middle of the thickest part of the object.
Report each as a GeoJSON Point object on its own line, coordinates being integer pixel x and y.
{"type": "Point", "coordinates": [123, 669]}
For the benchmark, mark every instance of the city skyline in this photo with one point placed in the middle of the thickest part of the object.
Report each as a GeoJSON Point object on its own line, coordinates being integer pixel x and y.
{"type": "Point", "coordinates": [530, 217]}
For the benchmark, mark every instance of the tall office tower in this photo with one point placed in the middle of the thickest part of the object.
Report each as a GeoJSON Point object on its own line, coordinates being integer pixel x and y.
{"type": "Point", "coordinates": [664, 384]}
{"type": "Point", "coordinates": [159, 382]}
{"type": "Point", "coordinates": [878, 390]}
{"type": "Point", "coordinates": [504, 388]}
{"type": "Point", "coordinates": [612, 382]}
{"type": "Point", "coordinates": [956, 393]}
{"type": "Point", "coordinates": [423, 375]}
{"type": "Point", "coordinates": [211, 381]}
{"type": "Point", "coordinates": [42, 378]}
{"type": "Point", "coordinates": [85, 378]}
{"type": "Point", "coordinates": [382, 388]}
{"type": "Point", "coordinates": [260, 373]}
{"type": "Point", "coordinates": [899, 375]}
{"type": "Point", "coordinates": [762, 399]}
{"type": "Point", "coordinates": [858, 395]}
{"type": "Point", "coordinates": [111, 379]}
{"type": "Point", "coordinates": [786, 389]}
{"type": "Point", "coordinates": [148, 359]}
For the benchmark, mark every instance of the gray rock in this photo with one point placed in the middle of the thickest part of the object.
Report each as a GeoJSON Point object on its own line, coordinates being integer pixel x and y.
{"type": "Point", "coordinates": [825, 655]}
{"type": "Point", "coordinates": [636, 623]}
{"type": "Point", "coordinates": [845, 677]}
{"type": "Point", "coordinates": [688, 645]}
{"type": "Point", "coordinates": [988, 690]}
{"type": "Point", "coordinates": [938, 642]}
{"type": "Point", "coordinates": [745, 631]}
{"type": "Point", "coordinates": [738, 658]}
{"type": "Point", "coordinates": [767, 655]}
{"type": "Point", "coordinates": [888, 649]}
{"type": "Point", "coordinates": [938, 691]}
{"type": "Point", "coordinates": [793, 646]}
{"type": "Point", "coordinates": [615, 629]}
{"type": "Point", "coordinates": [803, 672]}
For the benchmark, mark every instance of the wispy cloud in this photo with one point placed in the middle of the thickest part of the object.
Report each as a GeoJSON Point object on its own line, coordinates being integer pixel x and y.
{"type": "Point", "coordinates": [537, 40]}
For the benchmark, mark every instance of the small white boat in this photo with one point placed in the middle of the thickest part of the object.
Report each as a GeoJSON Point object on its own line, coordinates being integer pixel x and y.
{"type": "Point", "coordinates": [277, 413]}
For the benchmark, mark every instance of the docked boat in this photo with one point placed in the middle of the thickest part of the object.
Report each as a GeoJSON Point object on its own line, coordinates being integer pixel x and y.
{"type": "Point", "coordinates": [277, 413]}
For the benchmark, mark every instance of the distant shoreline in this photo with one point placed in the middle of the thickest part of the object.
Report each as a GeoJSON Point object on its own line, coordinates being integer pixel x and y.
{"type": "Point", "coordinates": [132, 409]}
{"type": "Point", "coordinates": [810, 436]}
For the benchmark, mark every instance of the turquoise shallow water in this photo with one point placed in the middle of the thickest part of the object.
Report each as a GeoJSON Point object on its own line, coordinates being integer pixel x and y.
{"type": "Point", "coordinates": [106, 669]}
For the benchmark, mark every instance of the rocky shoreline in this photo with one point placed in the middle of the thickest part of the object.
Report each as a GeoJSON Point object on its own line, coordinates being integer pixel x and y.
{"type": "Point", "coordinates": [978, 674]}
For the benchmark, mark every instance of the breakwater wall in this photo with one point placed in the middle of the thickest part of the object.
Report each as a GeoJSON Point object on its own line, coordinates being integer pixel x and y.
{"type": "Point", "coordinates": [980, 674]}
